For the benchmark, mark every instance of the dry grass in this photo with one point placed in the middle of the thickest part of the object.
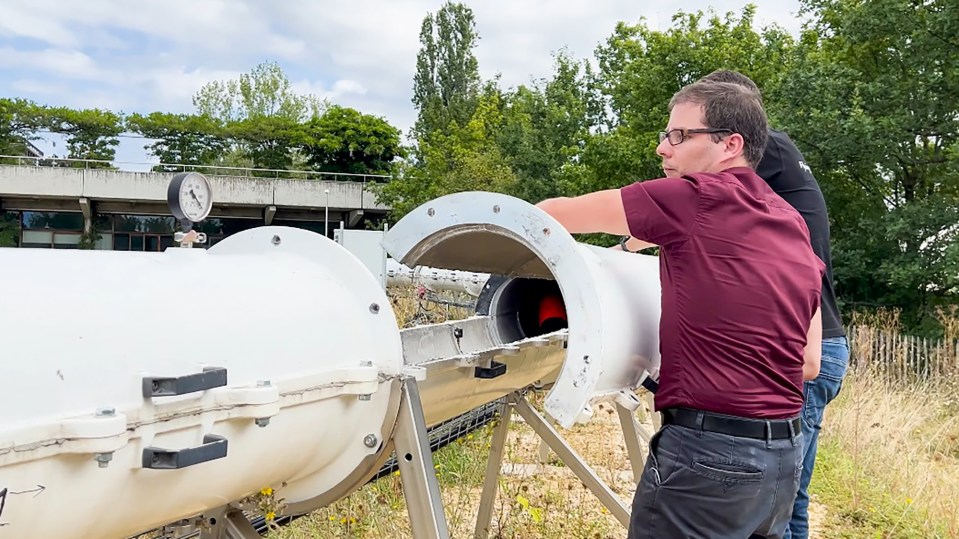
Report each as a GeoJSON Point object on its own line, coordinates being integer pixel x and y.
{"type": "Point", "coordinates": [888, 464]}
{"type": "Point", "coordinates": [534, 500]}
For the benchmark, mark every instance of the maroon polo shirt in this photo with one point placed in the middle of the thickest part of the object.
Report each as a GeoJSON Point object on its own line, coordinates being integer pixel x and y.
{"type": "Point", "coordinates": [740, 285]}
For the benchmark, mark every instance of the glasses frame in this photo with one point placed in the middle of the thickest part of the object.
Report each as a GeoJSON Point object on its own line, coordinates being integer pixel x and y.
{"type": "Point", "coordinates": [684, 133]}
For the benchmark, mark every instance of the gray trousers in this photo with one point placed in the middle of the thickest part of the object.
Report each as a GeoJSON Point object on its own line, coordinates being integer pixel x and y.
{"type": "Point", "coordinates": [708, 485]}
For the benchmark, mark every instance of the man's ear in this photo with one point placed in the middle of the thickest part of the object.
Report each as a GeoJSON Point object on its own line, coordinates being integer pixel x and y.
{"type": "Point", "coordinates": [735, 145]}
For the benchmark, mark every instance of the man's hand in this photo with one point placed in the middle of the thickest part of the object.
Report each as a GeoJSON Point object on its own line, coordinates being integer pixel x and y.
{"type": "Point", "coordinates": [601, 211]}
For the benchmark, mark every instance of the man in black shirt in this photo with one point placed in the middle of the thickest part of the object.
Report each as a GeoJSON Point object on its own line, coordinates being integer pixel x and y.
{"type": "Point", "coordinates": [785, 170]}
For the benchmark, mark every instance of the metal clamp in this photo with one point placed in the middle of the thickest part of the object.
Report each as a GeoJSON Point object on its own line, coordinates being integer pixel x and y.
{"type": "Point", "coordinates": [211, 377]}
{"type": "Point", "coordinates": [214, 447]}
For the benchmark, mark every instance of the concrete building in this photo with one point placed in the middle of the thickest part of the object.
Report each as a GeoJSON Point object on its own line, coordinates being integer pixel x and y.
{"type": "Point", "coordinates": [52, 207]}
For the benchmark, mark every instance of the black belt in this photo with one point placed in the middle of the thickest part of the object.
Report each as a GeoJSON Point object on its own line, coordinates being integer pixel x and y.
{"type": "Point", "coordinates": [761, 429]}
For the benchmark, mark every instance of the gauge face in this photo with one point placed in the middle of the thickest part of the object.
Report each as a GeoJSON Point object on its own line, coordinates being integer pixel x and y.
{"type": "Point", "coordinates": [190, 196]}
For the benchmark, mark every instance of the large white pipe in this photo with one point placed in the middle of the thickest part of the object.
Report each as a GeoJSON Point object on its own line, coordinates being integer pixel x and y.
{"type": "Point", "coordinates": [612, 298]}
{"type": "Point", "coordinates": [83, 329]}
{"type": "Point", "coordinates": [311, 355]}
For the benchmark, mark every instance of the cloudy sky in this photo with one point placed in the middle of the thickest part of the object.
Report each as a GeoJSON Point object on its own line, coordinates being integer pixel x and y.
{"type": "Point", "coordinates": [148, 55]}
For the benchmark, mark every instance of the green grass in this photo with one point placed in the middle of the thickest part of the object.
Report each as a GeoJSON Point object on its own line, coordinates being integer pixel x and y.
{"type": "Point", "coordinates": [859, 505]}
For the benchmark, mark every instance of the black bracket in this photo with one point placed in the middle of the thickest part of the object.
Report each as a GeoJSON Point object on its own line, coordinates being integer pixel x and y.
{"type": "Point", "coordinates": [494, 370]}
{"type": "Point", "coordinates": [214, 447]}
{"type": "Point", "coordinates": [155, 386]}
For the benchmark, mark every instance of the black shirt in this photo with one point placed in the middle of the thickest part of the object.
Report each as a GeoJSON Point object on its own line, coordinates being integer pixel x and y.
{"type": "Point", "coordinates": [785, 170]}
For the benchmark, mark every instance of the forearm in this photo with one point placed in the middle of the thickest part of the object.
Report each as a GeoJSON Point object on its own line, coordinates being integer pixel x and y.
{"type": "Point", "coordinates": [596, 212]}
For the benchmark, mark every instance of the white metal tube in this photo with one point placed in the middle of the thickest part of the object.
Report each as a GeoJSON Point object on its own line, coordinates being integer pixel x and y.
{"type": "Point", "coordinates": [306, 335]}
{"type": "Point", "coordinates": [612, 298]}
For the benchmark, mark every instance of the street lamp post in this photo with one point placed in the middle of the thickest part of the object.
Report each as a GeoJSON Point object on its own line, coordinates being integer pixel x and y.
{"type": "Point", "coordinates": [326, 215]}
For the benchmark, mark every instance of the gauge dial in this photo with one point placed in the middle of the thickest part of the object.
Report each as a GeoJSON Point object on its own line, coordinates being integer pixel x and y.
{"type": "Point", "coordinates": [190, 196]}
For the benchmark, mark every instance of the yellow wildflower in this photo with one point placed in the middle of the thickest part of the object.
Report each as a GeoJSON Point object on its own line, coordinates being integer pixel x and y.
{"type": "Point", "coordinates": [266, 491]}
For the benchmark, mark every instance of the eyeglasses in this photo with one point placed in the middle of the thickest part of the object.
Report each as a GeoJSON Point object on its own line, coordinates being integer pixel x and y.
{"type": "Point", "coordinates": [677, 136]}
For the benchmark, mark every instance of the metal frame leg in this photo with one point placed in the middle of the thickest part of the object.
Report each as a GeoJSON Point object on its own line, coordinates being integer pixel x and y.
{"type": "Point", "coordinates": [417, 474]}
{"type": "Point", "coordinates": [650, 403]}
{"type": "Point", "coordinates": [632, 432]}
{"type": "Point", "coordinates": [573, 461]}
{"type": "Point", "coordinates": [227, 523]}
{"type": "Point", "coordinates": [491, 481]}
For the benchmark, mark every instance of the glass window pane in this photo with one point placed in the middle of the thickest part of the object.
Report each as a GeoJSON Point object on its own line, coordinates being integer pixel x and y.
{"type": "Point", "coordinates": [61, 238]}
{"type": "Point", "coordinates": [37, 236]}
{"type": "Point", "coordinates": [105, 242]}
{"type": "Point", "coordinates": [136, 242]}
{"type": "Point", "coordinates": [166, 242]}
{"type": "Point", "coordinates": [55, 220]}
{"type": "Point", "coordinates": [121, 242]}
{"type": "Point", "coordinates": [144, 223]}
{"type": "Point", "coordinates": [153, 243]}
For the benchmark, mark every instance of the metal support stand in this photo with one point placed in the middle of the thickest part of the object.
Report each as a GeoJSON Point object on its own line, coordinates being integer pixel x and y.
{"type": "Point", "coordinates": [227, 523]}
{"type": "Point", "coordinates": [632, 432]}
{"type": "Point", "coordinates": [566, 454]}
{"type": "Point", "coordinates": [485, 515]}
{"type": "Point", "coordinates": [417, 474]}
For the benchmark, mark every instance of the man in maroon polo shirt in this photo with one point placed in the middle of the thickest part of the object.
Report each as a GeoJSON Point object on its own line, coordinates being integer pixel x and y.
{"type": "Point", "coordinates": [741, 324]}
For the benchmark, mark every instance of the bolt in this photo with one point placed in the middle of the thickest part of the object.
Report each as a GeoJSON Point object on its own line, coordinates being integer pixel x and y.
{"type": "Point", "coordinates": [495, 209]}
{"type": "Point", "coordinates": [458, 333]}
{"type": "Point", "coordinates": [366, 363]}
{"type": "Point", "coordinates": [262, 421]}
{"type": "Point", "coordinates": [374, 308]}
{"type": "Point", "coordinates": [106, 412]}
{"type": "Point", "coordinates": [103, 459]}
{"type": "Point", "coordinates": [431, 212]}
{"type": "Point", "coordinates": [276, 240]}
{"type": "Point", "coordinates": [370, 440]}
{"type": "Point", "coordinates": [262, 383]}
{"type": "Point", "coordinates": [546, 231]}
{"type": "Point", "coordinates": [365, 397]}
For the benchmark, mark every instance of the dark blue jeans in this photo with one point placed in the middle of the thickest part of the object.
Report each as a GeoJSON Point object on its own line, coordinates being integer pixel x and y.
{"type": "Point", "coordinates": [708, 485]}
{"type": "Point", "coordinates": [818, 393]}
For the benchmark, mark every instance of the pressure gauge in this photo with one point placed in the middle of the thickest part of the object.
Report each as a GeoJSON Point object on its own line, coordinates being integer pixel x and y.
{"type": "Point", "coordinates": [190, 197]}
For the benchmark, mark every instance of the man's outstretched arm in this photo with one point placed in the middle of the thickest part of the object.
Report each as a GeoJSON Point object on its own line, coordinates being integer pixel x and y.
{"type": "Point", "coordinates": [601, 211]}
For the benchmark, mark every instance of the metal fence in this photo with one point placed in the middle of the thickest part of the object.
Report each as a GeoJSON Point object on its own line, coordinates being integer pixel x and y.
{"type": "Point", "coordinates": [904, 358]}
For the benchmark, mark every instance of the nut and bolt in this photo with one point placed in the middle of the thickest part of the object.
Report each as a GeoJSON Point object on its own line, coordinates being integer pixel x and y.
{"type": "Point", "coordinates": [365, 397]}
{"type": "Point", "coordinates": [106, 412]}
{"type": "Point", "coordinates": [276, 240]}
{"type": "Point", "coordinates": [371, 441]}
{"type": "Point", "coordinates": [263, 383]}
{"type": "Point", "coordinates": [103, 459]}
{"type": "Point", "coordinates": [262, 421]}
{"type": "Point", "coordinates": [374, 308]}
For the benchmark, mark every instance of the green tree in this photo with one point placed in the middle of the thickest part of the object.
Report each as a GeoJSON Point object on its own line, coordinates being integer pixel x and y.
{"type": "Point", "coordinates": [346, 140]}
{"type": "Point", "coordinates": [872, 98]}
{"type": "Point", "coordinates": [546, 128]}
{"type": "Point", "coordinates": [466, 159]}
{"type": "Point", "coordinates": [182, 138]}
{"type": "Point", "coordinates": [261, 113]}
{"type": "Point", "coordinates": [447, 81]}
{"type": "Point", "coordinates": [90, 133]}
{"type": "Point", "coordinates": [19, 121]}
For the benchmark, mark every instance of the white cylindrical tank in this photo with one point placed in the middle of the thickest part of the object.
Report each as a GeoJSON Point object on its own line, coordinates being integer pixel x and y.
{"type": "Point", "coordinates": [612, 299]}
{"type": "Point", "coordinates": [285, 345]}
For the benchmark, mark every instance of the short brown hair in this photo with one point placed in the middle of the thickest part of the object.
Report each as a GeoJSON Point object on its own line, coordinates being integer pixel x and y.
{"type": "Point", "coordinates": [735, 77]}
{"type": "Point", "coordinates": [730, 106]}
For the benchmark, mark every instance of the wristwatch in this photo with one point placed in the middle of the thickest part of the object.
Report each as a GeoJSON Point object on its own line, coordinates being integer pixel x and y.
{"type": "Point", "coordinates": [622, 244]}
